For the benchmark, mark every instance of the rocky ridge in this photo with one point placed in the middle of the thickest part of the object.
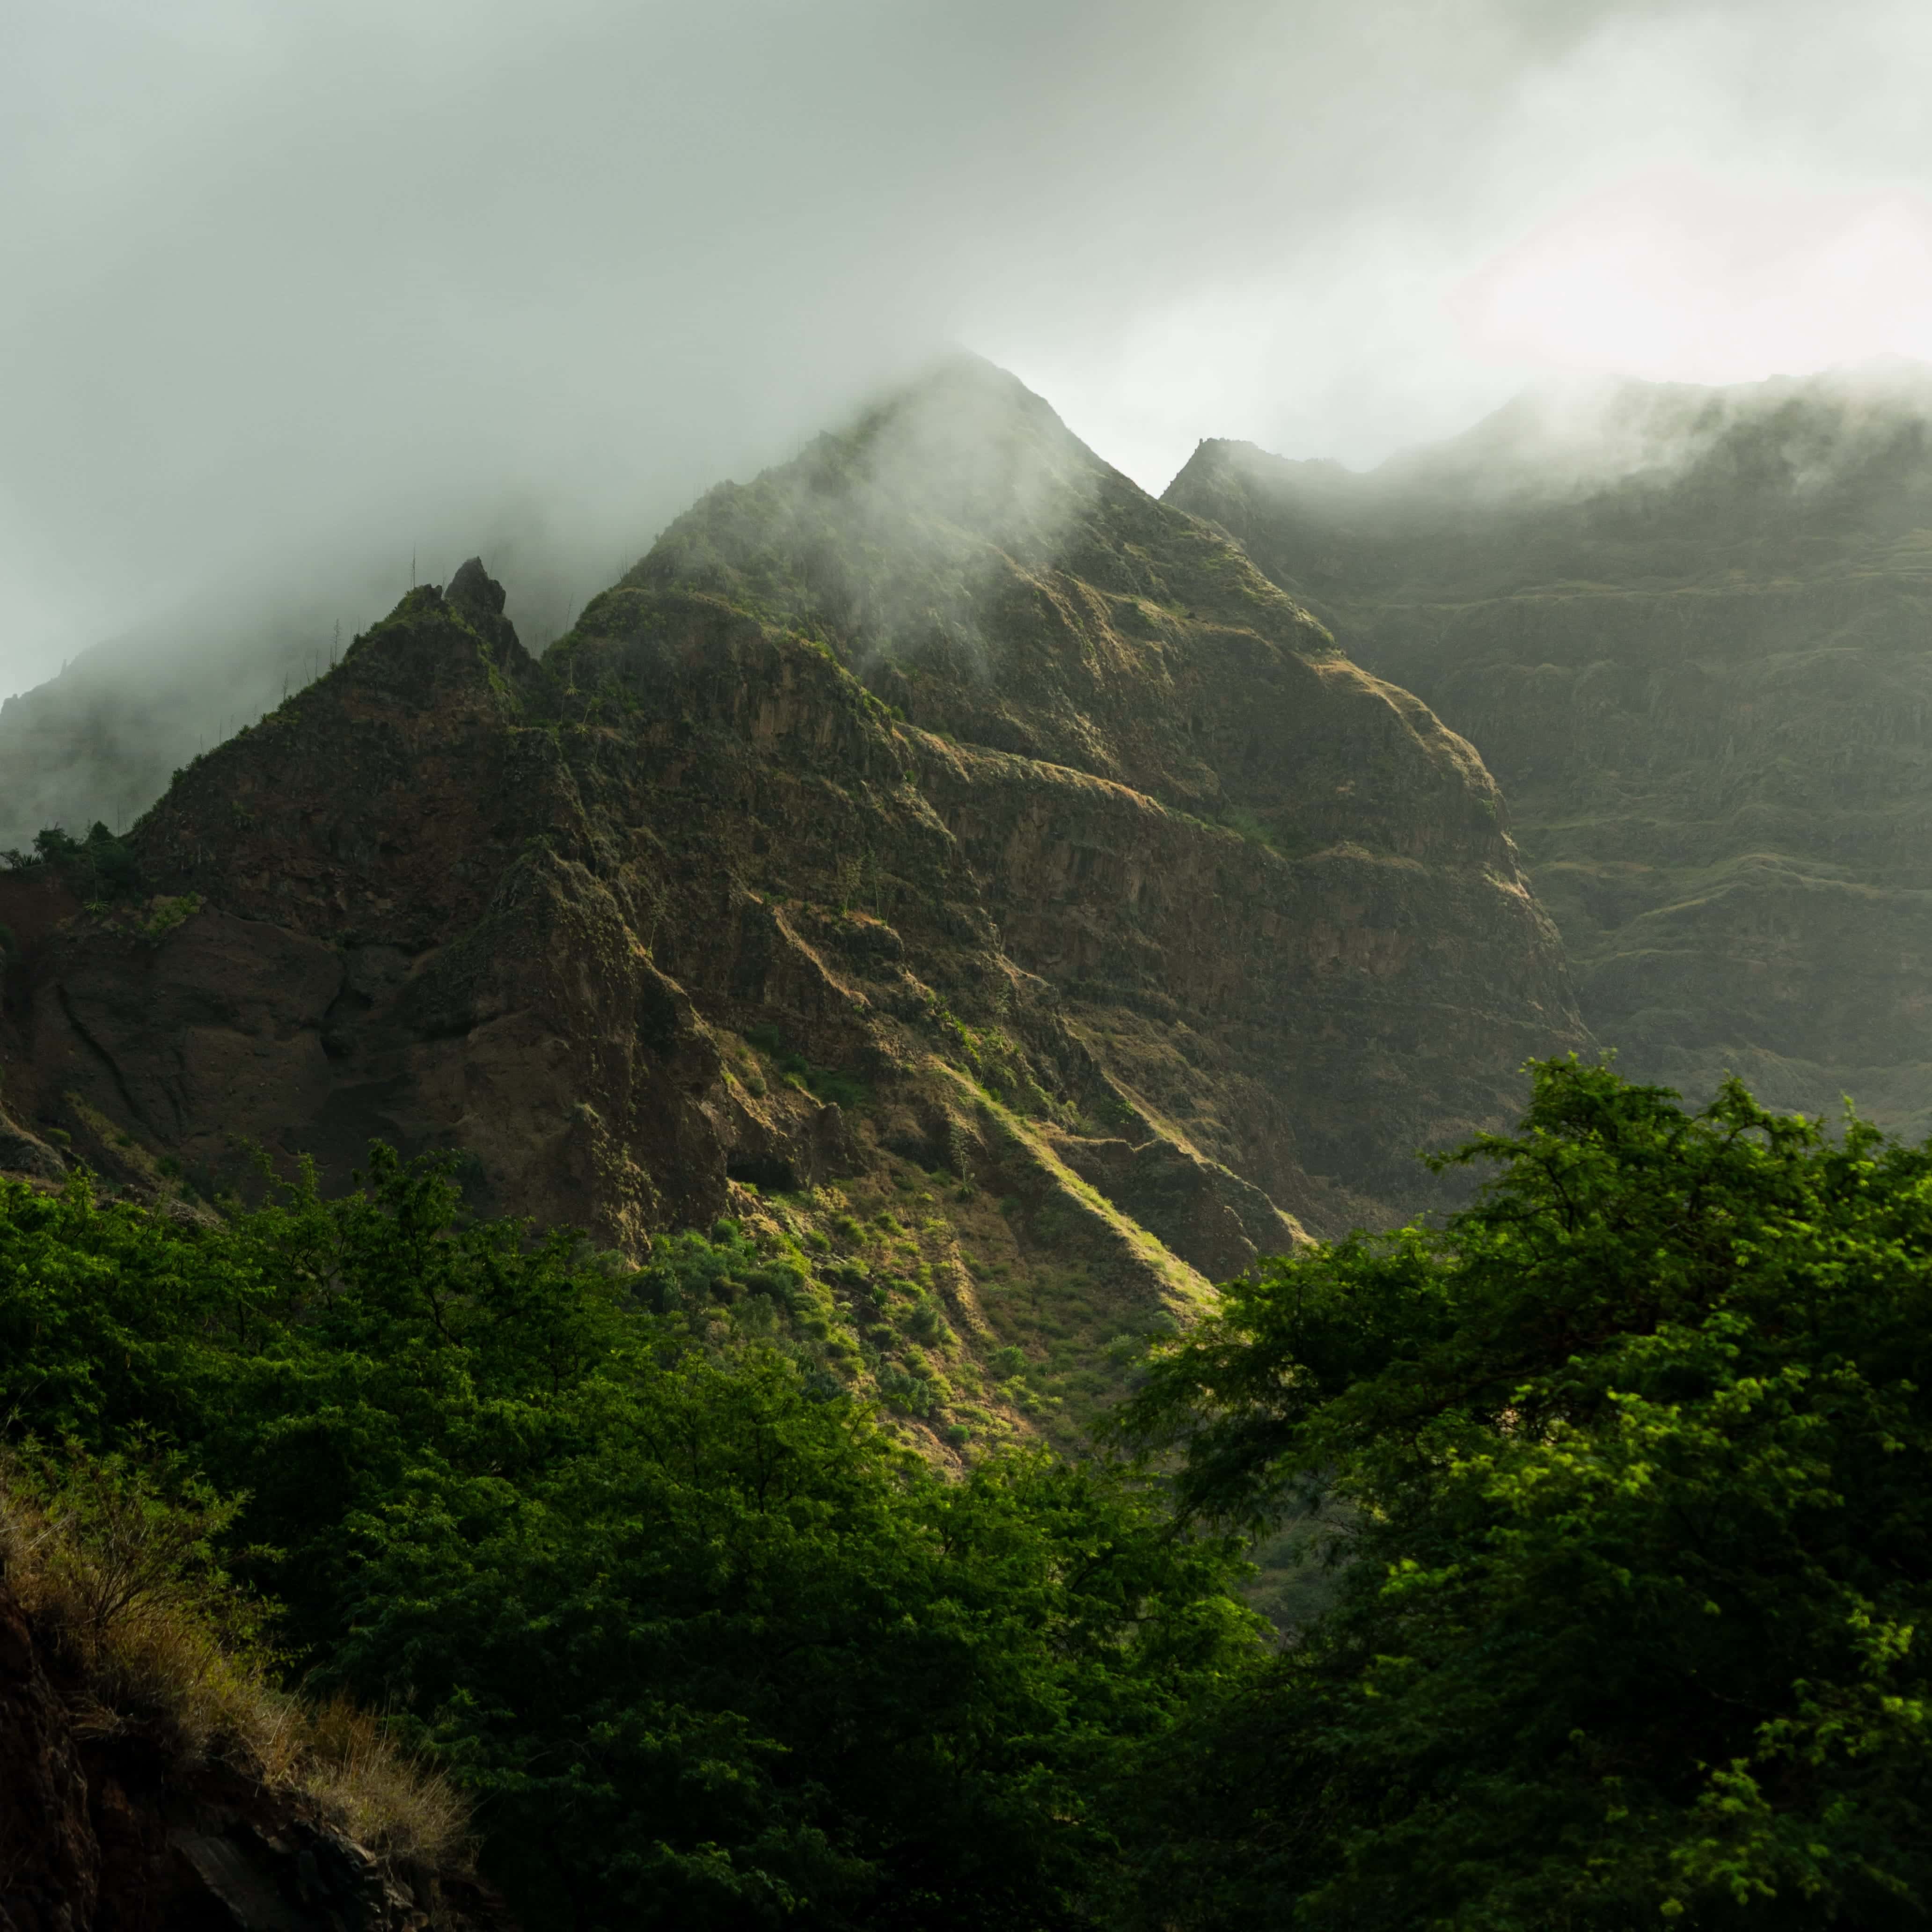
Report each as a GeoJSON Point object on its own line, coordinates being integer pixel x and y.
{"type": "Point", "coordinates": [936, 853]}
{"type": "Point", "coordinates": [1694, 653]}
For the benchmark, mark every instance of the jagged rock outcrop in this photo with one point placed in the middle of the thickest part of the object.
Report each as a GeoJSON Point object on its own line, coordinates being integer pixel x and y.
{"type": "Point", "coordinates": [938, 802]}
{"type": "Point", "coordinates": [1247, 870]}
{"type": "Point", "coordinates": [1691, 645]}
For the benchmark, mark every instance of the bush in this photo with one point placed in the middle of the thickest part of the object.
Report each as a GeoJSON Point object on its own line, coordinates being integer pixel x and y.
{"type": "Point", "coordinates": [100, 866]}
{"type": "Point", "coordinates": [114, 1558]}
{"type": "Point", "coordinates": [924, 1324]}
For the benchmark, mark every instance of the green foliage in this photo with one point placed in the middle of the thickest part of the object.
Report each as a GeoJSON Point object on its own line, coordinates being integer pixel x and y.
{"type": "Point", "coordinates": [705, 1645]}
{"type": "Point", "coordinates": [1630, 1474]}
{"type": "Point", "coordinates": [1244, 823]}
{"type": "Point", "coordinates": [687, 1272]}
{"type": "Point", "coordinates": [100, 866]}
{"type": "Point", "coordinates": [923, 1321]}
{"type": "Point", "coordinates": [125, 1532]}
{"type": "Point", "coordinates": [165, 914]}
{"type": "Point", "coordinates": [910, 1390]}
{"type": "Point", "coordinates": [828, 1085]}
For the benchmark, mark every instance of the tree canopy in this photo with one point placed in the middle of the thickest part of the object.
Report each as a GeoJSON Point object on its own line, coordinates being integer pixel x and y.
{"type": "Point", "coordinates": [1629, 1470]}
{"type": "Point", "coordinates": [1623, 1476]}
{"type": "Point", "coordinates": [705, 1643]}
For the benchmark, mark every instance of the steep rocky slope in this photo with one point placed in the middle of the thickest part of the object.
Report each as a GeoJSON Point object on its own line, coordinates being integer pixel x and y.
{"type": "Point", "coordinates": [99, 1829]}
{"type": "Point", "coordinates": [101, 740]}
{"type": "Point", "coordinates": [1692, 644]}
{"type": "Point", "coordinates": [936, 853]}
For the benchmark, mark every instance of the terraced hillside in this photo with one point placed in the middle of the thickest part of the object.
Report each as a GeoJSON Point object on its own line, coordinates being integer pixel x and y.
{"type": "Point", "coordinates": [1695, 646]}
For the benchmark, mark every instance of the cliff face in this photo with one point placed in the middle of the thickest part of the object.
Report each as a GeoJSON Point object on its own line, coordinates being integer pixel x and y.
{"type": "Point", "coordinates": [937, 824]}
{"type": "Point", "coordinates": [1704, 687]}
{"type": "Point", "coordinates": [1270, 895]}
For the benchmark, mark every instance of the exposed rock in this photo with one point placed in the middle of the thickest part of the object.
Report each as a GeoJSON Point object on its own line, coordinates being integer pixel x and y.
{"type": "Point", "coordinates": [49, 1854]}
{"type": "Point", "coordinates": [1213, 1219]}
{"type": "Point", "coordinates": [473, 586]}
{"type": "Point", "coordinates": [23, 1152]}
{"type": "Point", "coordinates": [1700, 675]}
{"type": "Point", "coordinates": [939, 799]}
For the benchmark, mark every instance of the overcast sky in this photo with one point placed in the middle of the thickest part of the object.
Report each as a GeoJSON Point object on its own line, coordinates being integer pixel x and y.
{"type": "Point", "coordinates": [287, 284]}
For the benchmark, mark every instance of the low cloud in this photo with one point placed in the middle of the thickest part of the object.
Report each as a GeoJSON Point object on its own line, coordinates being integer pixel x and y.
{"type": "Point", "coordinates": [294, 292]}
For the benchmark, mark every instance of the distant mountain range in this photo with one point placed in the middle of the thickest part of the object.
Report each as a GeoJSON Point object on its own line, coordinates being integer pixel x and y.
{"type": "Point", "coordinates": [1690, 633]}
{"type": "Point", "coordinates": [938, 834]}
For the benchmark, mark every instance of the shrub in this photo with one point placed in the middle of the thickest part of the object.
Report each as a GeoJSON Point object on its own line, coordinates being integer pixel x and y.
{"type": "Point", "coordinates": [1625, 1473]}
{"type": "Point", "coordinates": [924, 1324]}
{"type": "Point", "coordinates": [100, 866]}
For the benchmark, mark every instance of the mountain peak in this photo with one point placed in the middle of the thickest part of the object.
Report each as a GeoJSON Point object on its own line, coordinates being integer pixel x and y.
{"type": "Point", "coordinates": [473, 586]}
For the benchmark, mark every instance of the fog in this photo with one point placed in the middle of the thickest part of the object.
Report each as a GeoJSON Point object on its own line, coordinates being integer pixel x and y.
{"type": "Point", "coordinates": [300, 298]}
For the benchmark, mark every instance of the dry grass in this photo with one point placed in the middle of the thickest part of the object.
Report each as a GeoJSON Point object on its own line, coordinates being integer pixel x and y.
{"type": "Point", "coordinates": [383, 1797]}
{"type": "Point", "coordinates": [119, 1581]}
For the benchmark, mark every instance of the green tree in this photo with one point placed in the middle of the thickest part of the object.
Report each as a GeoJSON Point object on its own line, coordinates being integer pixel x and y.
{"type": "Point", "coordinates": [707, 1646]}
{"type": "Point", "coordinates": [1629, 1472]}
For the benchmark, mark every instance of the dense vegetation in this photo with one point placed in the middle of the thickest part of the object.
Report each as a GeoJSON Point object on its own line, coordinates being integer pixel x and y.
{"type": "Point", "coordinates": [1626, 1476]}
{"type": "Point", "coordinates": [99, 866]}
{"type": "Point", "coordinates": [1634, 1463]}
{"type": "Point", "coordinates": [704, 1643]}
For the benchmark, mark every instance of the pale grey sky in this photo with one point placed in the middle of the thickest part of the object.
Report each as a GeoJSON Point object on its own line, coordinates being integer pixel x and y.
{"type": "Point", "coordinates": [289, 290]}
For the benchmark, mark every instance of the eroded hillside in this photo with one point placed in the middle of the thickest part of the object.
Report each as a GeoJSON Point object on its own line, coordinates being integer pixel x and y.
{"type": "Point", "coordinates": [1704, 687]}
{"type": "Point", "coordinates": [966, 873]}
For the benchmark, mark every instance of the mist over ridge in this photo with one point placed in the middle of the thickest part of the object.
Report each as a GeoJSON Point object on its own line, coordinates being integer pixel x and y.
{"type": "Point", "coordinates": [1687, 630]}
{"type": "Point", "coordinates": [1509, 498]}
{"type": "Point", "coordinates": [1556, 440]}
{"type": "Point", "coordinates": [326, 284]}
{"type": "Point", "coordinates": [962, 443]}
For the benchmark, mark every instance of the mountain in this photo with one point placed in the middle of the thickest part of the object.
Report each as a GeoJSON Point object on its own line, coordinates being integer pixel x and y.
{"type": "Point", "coordinates": [1687, 630]}
{"type": "Point", "coordinates": [101, 741]}
{"type": "Point", "coordinates": [936, 853]}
